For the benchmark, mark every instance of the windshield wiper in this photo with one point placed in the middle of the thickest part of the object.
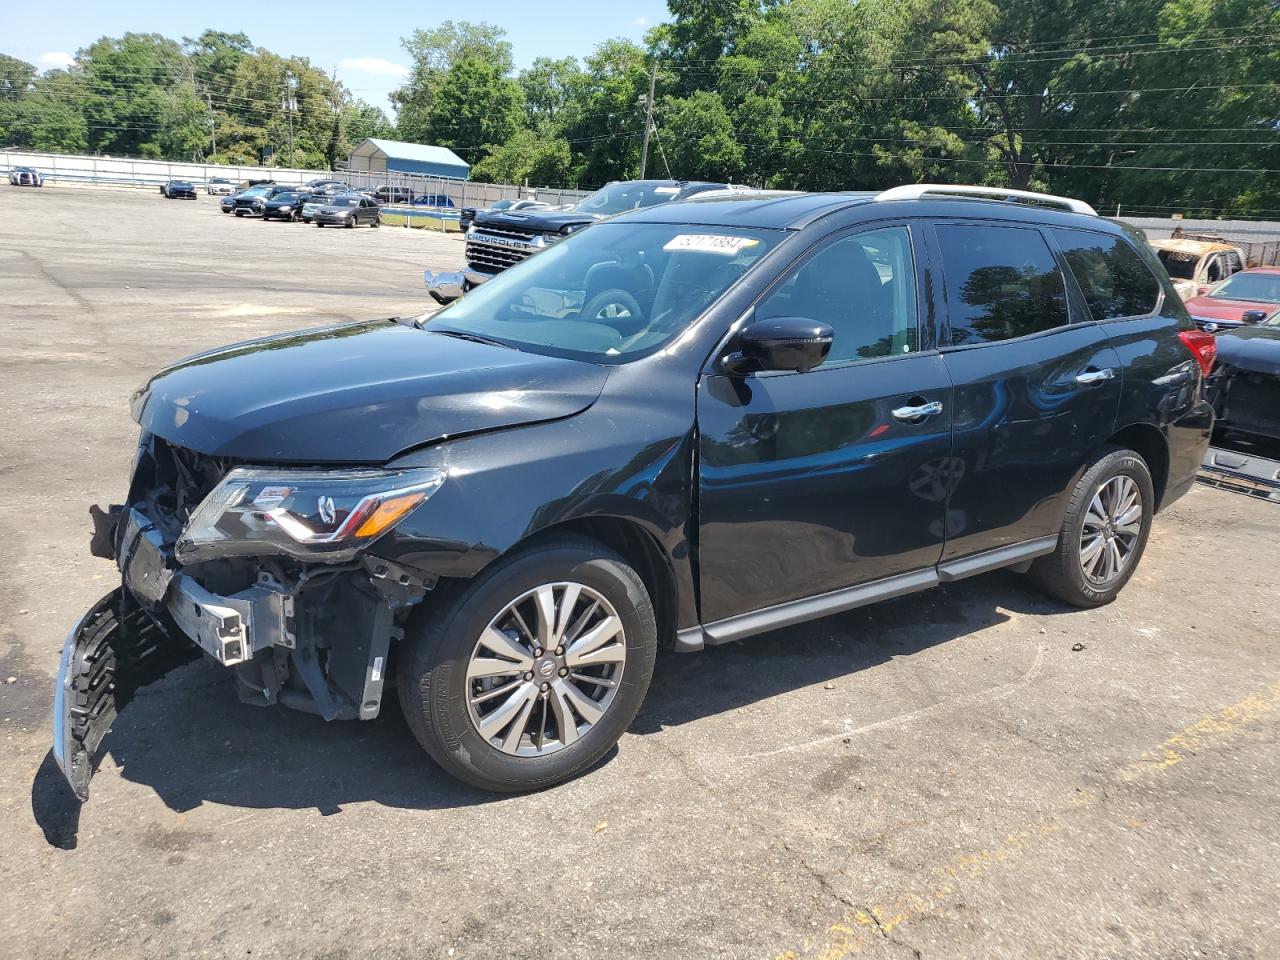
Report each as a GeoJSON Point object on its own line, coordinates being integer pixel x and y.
{"type": "Point", "coordinates": [473, 337]}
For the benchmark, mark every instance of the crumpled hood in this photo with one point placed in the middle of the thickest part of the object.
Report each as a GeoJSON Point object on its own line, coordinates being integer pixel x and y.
{"type": "Point", "coordinates": [355, 393]}
{"type": "Point", "coordinates": [1256, 349]}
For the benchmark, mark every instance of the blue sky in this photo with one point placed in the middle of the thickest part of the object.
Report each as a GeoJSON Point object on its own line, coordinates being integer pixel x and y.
{"type": "Point", "coordinates": [361, 39]}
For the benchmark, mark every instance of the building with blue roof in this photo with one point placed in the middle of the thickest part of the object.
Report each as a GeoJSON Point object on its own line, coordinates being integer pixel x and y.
{"type": "Point", "coordinates": [393, 156]}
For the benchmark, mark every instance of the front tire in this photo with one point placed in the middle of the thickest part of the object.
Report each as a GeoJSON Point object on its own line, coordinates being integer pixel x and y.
{"type": "Point", "coordinates": [494, 702]}
{"type": "Point", "coordinates": [1104, 532]}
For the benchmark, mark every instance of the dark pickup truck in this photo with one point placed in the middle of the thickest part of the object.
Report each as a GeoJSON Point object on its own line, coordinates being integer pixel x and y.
{"type": "Point", "coordinates": [498, 239]}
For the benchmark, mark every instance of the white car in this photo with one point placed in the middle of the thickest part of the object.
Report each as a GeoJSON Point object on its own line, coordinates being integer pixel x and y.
{"type": "Point", "coordinates": [220, 186]}
{"type": "Point", "coordinates": [26, 177]}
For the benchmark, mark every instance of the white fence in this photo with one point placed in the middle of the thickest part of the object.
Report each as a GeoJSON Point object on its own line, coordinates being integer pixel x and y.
{"type": "Point", "coordinates": [120, 171]}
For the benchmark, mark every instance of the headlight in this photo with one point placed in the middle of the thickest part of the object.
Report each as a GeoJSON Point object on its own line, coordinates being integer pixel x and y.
{"type": "Point", "coordinates": [573, 228]}
{"type": "Point", "coordinates": [324, 515]}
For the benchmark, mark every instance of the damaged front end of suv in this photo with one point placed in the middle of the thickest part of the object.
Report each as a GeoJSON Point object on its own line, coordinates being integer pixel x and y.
{"type": "Point", "coordinates": [257, 567]}
{"type": "Point", "coordinates": [267, 479]}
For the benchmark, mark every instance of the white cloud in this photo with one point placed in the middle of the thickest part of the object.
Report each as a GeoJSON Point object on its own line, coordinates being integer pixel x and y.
{"type": "Point", "coordinates": [376, 65]}
{"type": "Point", "coordinates": [56, 60]}
{"type": "Point", "coordinates": [641, 21]}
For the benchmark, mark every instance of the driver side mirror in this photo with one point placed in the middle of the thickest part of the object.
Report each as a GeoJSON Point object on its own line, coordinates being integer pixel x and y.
{"type": "Point", "coordinates": [780, 343]}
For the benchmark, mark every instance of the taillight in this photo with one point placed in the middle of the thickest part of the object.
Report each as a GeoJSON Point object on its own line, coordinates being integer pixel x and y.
{"type": "Point", "coordinates": [1203, 346]}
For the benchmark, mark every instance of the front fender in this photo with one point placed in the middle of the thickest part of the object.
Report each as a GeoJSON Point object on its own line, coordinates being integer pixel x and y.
{"type": "Point", "coordinates": [506, 487]}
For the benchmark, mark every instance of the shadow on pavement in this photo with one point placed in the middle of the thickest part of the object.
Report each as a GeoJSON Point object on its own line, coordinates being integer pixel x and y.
{"type": "Point", "coordinates": [189, 739]}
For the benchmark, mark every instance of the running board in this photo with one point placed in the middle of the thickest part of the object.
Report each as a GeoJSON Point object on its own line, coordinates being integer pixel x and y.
{"type": "Point", "coordinates": [792, 612]}
{"type": "Point", "coordinates": [1245, 473]}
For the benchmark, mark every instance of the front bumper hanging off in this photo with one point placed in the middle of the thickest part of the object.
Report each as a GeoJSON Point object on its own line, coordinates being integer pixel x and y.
{"type": "Point", "coordinates": [162, 617]}
{"type": "Point", "coordinates": [115, 650]}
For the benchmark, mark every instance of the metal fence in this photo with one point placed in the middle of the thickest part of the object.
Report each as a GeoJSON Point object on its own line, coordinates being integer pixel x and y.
{"type": "Point", "coordinates": [120, 171]}
{"type": "Point", "coordinates": [1259, 239]}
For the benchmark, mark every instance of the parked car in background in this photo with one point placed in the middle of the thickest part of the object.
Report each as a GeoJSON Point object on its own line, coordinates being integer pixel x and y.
{"type": "Point", "coordinates": [253, 201]}
{"type": "Point", "coordinates": [497, 240]}
{"type": "Point", "coordinates": [322, 184]}
{"type": "Point", "coordinates": [219, 186]}
{"type": "Point", "coordinates": [179, 190]}
{"type": "Point", "coordinates": [473, 504]}
{"type": "Point", "coordinates": [441, 201]}
{"type": "Point", "coordinates": [1251, 296]}
{"type": "Point", "coordinates": [389, 194]}
{"type": "Point", "coordinates": [329, 188]}
{"type": "Point", "coordinates": [26, 177]}
{"type": "Point", "coordinates": [469, 213]}
{"type": "Point", "coordinates": [1195, 263]}
{"type": "Point", "coordinates": [285, 205]}
{"type": "Point", "coordinates": [347, 211]}
{"type": "Point", "coordinates": [313, 203]}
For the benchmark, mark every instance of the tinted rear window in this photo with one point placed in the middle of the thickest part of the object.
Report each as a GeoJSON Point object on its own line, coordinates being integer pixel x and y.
{"type": "Point", "coordinates": [1001, 282]}
{"type": "Point", "coordinates": [1115, 281]}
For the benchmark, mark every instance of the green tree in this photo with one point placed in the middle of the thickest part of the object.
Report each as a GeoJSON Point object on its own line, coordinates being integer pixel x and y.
{"type": "Point", "coordinates": [602, 120]}
{"type": "Point", "coordinates": [476, 108]}
{"type": "Point", "coordinates": [547, 86]}
{"type": "Point", "coordinates": [50, 117]}
{"type": "Point", "coordinates": [139, 98]}
{"type": "Point", "coordinates": [697, 139]}
{"type": "Point", "coordinates": [526, 158]}
{"type": "Point", "coordinates": [434, 54]}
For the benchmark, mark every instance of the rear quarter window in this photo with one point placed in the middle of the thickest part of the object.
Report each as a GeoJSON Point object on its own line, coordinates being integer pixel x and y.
{"type": "Point", "coordinates": [1001, 282]}
{"type": "Point", "coordinates": [1114, 280]}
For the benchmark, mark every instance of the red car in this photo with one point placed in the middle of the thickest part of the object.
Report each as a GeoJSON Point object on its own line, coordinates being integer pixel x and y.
{"type": "Point", "coordinates": [1248, 297]}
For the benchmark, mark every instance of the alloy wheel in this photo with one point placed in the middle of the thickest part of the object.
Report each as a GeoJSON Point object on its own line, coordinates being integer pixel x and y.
{"type": "Point", "coordinates": [546, 669]}
{"type": "Point", "coordinates": [1111, 529]}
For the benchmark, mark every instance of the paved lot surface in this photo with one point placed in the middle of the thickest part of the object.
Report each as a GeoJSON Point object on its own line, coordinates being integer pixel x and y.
{"type": "Point", "coordinates": [941, 776]}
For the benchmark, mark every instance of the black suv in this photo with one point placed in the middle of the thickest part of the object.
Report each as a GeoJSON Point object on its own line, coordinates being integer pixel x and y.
{"type": "Point", "coordinates": [500, 238]}
{"type": "Point", "coordinates": [690, 424]}
{"type": "Point", "coordinates": [287, 205]}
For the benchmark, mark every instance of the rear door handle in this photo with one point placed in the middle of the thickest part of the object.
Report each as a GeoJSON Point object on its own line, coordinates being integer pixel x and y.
{"type": "Point", "coordinates": [929, 409]}
{"type": "Point", "coordinates": [1090, 377]}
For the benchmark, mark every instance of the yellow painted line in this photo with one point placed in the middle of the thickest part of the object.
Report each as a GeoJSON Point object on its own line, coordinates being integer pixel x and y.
{"type": "Point", "coordinates": [861, 926]}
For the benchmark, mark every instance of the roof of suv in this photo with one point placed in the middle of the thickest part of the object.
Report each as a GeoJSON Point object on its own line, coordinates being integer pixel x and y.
{"type": "Point", "coordinates": [794, 211]}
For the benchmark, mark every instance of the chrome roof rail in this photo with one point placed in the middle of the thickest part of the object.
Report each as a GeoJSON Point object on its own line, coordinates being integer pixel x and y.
{"type": "Point", "coordinates": [915, 191]}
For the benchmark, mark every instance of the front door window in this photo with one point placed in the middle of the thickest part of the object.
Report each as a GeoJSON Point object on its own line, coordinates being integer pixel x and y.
{"type": "Point", "coordinates": [863, 286]}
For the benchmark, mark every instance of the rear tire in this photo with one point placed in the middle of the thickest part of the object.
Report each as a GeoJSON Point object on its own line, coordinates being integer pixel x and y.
{"type": "Point", "coordinates": [1103, 534]}
{"type": "Point", "coordinates": [444, 671]}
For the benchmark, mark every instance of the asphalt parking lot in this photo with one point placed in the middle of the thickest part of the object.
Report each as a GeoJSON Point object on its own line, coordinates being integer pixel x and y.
{"type": "Point", "coordinates": [975, 772]}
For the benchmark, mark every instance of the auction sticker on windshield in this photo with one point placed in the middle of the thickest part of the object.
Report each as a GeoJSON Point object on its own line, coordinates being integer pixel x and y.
{"type": "Point", "coordinates": [710, 243]}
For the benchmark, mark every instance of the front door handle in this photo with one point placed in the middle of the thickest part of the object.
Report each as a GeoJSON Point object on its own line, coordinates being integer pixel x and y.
{"type": "Point", "coordinates": [1090, 377]}
{"type": "Point", "coordinates": [912, 414]}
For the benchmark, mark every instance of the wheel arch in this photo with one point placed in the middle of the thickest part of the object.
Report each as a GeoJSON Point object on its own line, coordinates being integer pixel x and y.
{"type": "Point", "coordinates": [1150, 443]}
{"type": "Point", "coordinates": [639, 548]}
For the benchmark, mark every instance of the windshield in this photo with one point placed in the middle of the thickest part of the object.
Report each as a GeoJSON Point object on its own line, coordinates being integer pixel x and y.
{"type": "Point", "coordinates": [256, 192]}
{"type": "Point", "coordinates": [610, 294]}
{"type": "Point", "coordinates": [285, 196]}
{"type": "Point", "coordinates": [620, 197]}
{"type": "Point", "coordinates": [1263, 287]}
{"type": "Point", "coordinates": [503, 205]}
{"type": "Point", "coordinates": [344, 201]}
{"type": "Point", "coordinates": [1181, 266]}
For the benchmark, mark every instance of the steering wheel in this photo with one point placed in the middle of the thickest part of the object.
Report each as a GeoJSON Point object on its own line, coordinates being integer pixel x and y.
{"type": "Point", "coordinates": [615, 308]}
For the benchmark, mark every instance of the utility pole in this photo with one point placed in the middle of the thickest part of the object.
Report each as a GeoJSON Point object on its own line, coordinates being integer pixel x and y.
{"type": "Point", "coordinates": [213, 123]}
{"type": "Point", "coordinates": [648, 117]}
{"type": "Point", "coordinates": [290, 104]}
